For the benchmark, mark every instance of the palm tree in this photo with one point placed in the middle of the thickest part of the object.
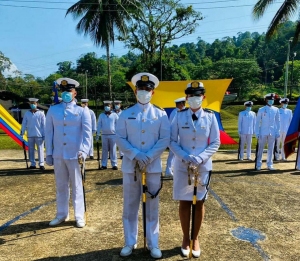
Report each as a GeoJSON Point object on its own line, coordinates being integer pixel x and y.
{"type": "Point", "coordinates": [286, 11]}
{"type": "Point", "coordinates": [101, 19]}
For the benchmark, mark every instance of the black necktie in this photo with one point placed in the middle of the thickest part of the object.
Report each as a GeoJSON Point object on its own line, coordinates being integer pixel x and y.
{"type": "Point", "coordinates": [194, 117]}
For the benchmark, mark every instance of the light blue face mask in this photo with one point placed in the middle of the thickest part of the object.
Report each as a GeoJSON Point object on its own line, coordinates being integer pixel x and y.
{"type": "Point", "coordinates": [32, 106]}
{"type": "Point", "coordinates": [117, 107]}
{"type": "Point", "coordinates": [248, 108]}
{"type": "Point", "coordinates": [270, 102]}
{"type": "Point", "coordinates": [107, 108]}
{"type": "Point", "coordinates": [284, 106]}
{"type": "Point", "coordinates": [67, 96]}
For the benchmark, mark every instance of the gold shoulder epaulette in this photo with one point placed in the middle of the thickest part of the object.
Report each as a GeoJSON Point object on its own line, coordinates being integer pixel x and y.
{"type": "Point", "coordinates": [208, 110]}
{"type": "Point", "coordinates": [158, 107]}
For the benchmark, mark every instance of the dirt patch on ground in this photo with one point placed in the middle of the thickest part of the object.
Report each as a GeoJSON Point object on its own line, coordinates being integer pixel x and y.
{"type": "Point", "coordinates": [250, 215]}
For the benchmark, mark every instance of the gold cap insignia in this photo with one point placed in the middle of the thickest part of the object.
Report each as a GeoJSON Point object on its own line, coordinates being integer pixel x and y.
{"type": "Point", "coordinates": [64, 83]}
{"type": "Point", "coordinates": [195, 84]}
{"type": "Point", "coordinates": [145, 78]}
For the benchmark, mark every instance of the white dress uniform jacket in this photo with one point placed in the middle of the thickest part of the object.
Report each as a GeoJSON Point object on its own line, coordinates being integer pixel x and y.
{"type": "Point", "coordinates": [94, 129]}
{"type": "Point", "coordinates": [34, 123]}
{"type": "Point", "coordinates": [68, 130]}
{"type": "Point", "coordinates": [199, 138]}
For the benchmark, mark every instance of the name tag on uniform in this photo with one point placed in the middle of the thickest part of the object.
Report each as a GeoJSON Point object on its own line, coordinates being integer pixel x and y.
{"type": "Point", "coordinates": [185, 127]}
{"type": "Point", "coordinates": [131, 118]}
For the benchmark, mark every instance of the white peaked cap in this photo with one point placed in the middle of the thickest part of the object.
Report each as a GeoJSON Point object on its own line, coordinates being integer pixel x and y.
{"type": "Point", "coordinates": [84, 100]}
{"type": "Point", "coordinates": [107, 102]}
{"type": "Point", "coordinates": [270, 95]}
{"type": "Point", "coordinates": [33, 99]}
{"type": "Point", "coordinates": [284, 100]}
{"type": "Point", "coordinates": [145, 77]}
{"type": "Point", "coordinates": [68, 81]}
{"type": "Point", "coordinates": [182, 99]}
{"type": "Point", "coordinates": [117, 101]}
{"type": "Point", "coordinates": [248, 103]}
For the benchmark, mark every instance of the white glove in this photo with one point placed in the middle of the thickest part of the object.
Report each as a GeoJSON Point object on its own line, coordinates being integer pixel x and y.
{"type": "Point", "coordinates": [187, 159]}
{"type": "Point", "coordinates": [49, 160]}
{"type": "Point", "coordinates": [97, 137]}
{"type": "Point", "coordinates": [142, 158]}
{"type": "Point", "coordinates": [81, 156]}
{"type": "Point", "coordinates": [141, 165]}
{"type": "Point", "coordinates": [196, 160]}
{"type": "Point", "coordinates": [257, 136]}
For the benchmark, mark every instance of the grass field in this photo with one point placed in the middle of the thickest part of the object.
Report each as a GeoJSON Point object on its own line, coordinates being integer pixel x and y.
{"type": "Point", "coordinates": [229, 116]}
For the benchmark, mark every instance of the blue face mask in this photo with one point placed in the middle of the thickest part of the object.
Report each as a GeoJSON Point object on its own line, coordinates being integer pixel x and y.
{"type": "Point", "coordinates": [284, 106]}
{"type": "Point", "coordinates": [248, 108]}
{"type": "Point", "coordinates": [270, 102]}
{"type": "Point", "coordinates": [107, 108]}
{"type": "Point", "coordinates": [117, 107]}
{"type": "Point", "coordinates": [33, 106]}
{"type": "Point", "coordinates": [67, 96]}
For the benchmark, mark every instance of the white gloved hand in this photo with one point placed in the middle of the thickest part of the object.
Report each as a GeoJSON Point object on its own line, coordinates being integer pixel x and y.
{"type": "Point", "coordinates": [141, 157]}
{"type": "Point", "coordinates": [81, 156]}
{"type": "Point", "coordinates": [196, 160]}
{"type": "Point", "coordinates": [97, 137]}
{"type": "Point", "coordinates": [187, 159]}
{"type": "Point", "coordinates": [141, 165]}
{"type": "Point", "coordinates": [257, 136]}
{"type": "Point", "coordinates": [49, 160]}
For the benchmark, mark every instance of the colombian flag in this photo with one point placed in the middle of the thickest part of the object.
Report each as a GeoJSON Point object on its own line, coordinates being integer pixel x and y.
{"type": "Point", "coordinates": [293, 132]}
{"type": "Point", "coordinates": [168, 91]}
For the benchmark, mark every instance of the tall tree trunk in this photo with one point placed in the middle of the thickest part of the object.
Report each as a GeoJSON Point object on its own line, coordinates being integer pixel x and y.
{"type": "Point", "coordinates": [108, 70]}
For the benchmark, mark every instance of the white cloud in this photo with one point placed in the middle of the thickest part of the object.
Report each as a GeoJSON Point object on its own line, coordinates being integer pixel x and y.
{"type": "Point", "coordinates": [11, 71]}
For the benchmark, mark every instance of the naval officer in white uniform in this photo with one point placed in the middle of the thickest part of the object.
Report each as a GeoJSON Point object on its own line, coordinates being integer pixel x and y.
{"type": "Point", "coordinates": [195, 137]}
{"type": "Point", "coordinates": [286, 116]}
{"type": "Point", "coordinates": [34, 123]}
{"type": "Point", "coordinates": [246, 129]}
{"type": "Point", "coordinates": [68, 138]}
{"type": "Point", "coordinates": [143, 133]}
{"type": "Point", "coordinates": [267, 128]}
{"type": "Point", "coordinates": [107, 129]}
{"type": "Point", "coordinates": [84, 104]}
{"type": "Point", "coordinates": [180, 105]}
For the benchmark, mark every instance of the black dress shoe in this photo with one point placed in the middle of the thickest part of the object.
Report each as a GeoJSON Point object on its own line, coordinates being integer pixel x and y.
{"type": "Point", "coordinates": [103, 167]}
{"type": "Point", "coordinates": [121, 157]}
{"type": "Point", "coordinates": [91, 157]}
{"type": "Point", "coordinates": [32, 167]}
{"type": "Point", "coordinates": [42, 167]}
{"type": "Point", "coordinates": [115, 168]}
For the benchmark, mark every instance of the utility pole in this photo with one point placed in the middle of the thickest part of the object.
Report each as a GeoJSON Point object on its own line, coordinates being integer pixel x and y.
{"type": "Point", "coordinates": [86, 96]}
{"type": "Point", "coordinates": [287, 68]}
{"type": "Point", "coordinates": [292, 74]}
{"type": "Point", "coordinates": [160, 54]}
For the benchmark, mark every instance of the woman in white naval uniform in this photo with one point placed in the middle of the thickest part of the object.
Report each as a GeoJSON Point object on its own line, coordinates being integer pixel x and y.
{"type": "Point", "coordinates": [286, 116]}
{"type": "Point", "coordinates": [118, 111]}
{"type": "Point", "coordinates": [180, 105]}
{"type": "Point", "coordinates": [34, 123]}
{"type": "Point", "coordinates": [195, 138]}
{"type": "Point", "coordinates": [246, 128]}
{"type": "Point", "coordinates": [68, 138]}
{"type": "Point", "coordinates": [267, 129]}
{"type": "Point", "coordinates": [143, 133]}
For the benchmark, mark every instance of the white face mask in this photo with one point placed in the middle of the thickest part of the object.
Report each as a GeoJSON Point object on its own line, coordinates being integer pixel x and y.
{"type": "Point", "coordinates": [195, 102]}
{"type": "Point", "coordinates": [144, 96]}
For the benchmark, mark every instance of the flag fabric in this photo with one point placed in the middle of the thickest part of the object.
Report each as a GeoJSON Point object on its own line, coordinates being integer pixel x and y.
{"type": "Point", "coordinates": [55, 92]}
{"type": "Point", "coordinates": [293, 132]}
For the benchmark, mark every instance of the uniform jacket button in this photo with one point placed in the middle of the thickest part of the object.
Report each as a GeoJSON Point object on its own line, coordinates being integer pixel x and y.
{"type": "Point", "coordinates": [143, 143]}
{"type": "Point", "coordinates": [65, 143]}
{"type": "Point", "coordinates": [143, 131]}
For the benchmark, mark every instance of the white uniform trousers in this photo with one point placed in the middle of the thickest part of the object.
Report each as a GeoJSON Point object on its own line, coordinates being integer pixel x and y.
{"type": "Point", "coordinates": [109, 145]}
{"type": "Point", "coordinates": [245, 139]}
{"type": "Point", "coordinates": [280, 146]}
{"type": "Point", "coordinates": [298, 158]}
{"type": "Point", "coordinates": [170, 162]}
{"type": "Point", "coordinates": [38, 141]}
{"type": "Point", "coordinates": [132, 192]}
{"type": "Point", "coordinates": [67, 171]}
{"type": "Point", "coordinates": [91, 153]}
{"type": "Point", "coordinates": [261, 144]}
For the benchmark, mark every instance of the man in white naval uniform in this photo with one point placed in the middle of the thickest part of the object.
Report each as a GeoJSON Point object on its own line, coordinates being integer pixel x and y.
{"type": "Point", "coordinates": [68, 140]}
{"type": "Point", "coordinates": [107, 129]}
{"type": "Point", "coordinates": [267, 129]}
{"type": "Point", "coordinates": [84, 104]}
{"type": "Point", "coordinates": [246, 128]}
{"type": "Point", "coordinates": [195, 137]}
{"type": "Point", "coordinates": [143, 133]}
{"type": "Point", "coordinates": [286, 116]}
{"type": "Point", "coordinates": [180, 105]}
{"type": "Point", "coordinates": [34, 123]}
{"type": "Point", "coordinates": [117, 110]}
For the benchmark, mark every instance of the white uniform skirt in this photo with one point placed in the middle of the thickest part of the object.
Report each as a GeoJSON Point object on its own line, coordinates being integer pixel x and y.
{"type": "Point", "coordinates": [182, 190]}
